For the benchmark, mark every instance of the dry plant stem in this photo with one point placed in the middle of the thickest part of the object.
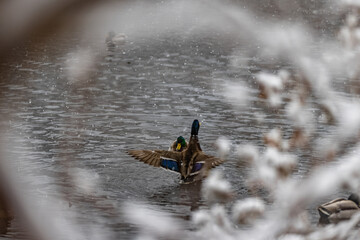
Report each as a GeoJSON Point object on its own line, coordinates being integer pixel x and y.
{"type": "Point", "coordinates": [17, 25]}
{"type": "Point", "coordinates": [10, 194]}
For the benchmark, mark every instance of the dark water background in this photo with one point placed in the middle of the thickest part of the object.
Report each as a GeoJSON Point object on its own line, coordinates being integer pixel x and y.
{"type": "Point", "coordinates": [141, 95]}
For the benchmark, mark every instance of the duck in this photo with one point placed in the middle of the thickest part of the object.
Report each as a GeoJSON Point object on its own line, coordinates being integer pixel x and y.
{"type": "Point", "coordinates": [339, 209]}
{"type": "Point", "coordinates": [179, 145]}
{"type": "Point", "coordinates": [192, 164]}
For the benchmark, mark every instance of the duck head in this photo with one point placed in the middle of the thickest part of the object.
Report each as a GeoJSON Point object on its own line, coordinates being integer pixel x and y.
{"type": "Point", "coordinates": [180, 143]}
{"type": "Point", "coordinates": [195, 127]}
{"type": "Point", "coordinates": [355, 198]}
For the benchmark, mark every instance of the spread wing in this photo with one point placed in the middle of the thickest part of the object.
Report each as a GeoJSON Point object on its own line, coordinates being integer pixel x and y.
{"type": "Point", "coordinates": [203, 163]}
{"type": "Point", "coordinates": [158, 158]}
{"type": "Point", "coordinates": [209, 161]}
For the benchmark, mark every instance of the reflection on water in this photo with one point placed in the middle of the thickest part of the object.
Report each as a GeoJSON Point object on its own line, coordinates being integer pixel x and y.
{"type": "Point", "coordinates": [141, 96]}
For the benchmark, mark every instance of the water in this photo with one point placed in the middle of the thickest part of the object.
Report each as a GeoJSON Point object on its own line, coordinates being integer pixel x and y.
{"type": "Point", "coordinates": [142, 95]}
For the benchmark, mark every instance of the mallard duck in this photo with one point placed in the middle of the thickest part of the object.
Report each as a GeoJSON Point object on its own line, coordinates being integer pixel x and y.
{"type": "Point", "coordinates": [339, 209]}
{"type": "Point", "coordinates": [178, 145]}
{"type": "Point", "coordinates": [192, 163]}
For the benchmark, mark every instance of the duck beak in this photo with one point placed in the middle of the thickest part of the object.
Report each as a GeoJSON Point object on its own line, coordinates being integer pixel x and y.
{"type": "Point", "coordinates": [178, 146]}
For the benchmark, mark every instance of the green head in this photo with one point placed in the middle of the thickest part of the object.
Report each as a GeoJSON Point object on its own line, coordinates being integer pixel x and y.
{"type": "Point", "coordinates": [181, 143]}
{"type": "Point", "coordinates": [195, 127]}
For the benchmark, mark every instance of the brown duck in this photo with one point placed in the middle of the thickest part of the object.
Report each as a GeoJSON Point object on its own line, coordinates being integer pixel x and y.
{"type": "Point", "coordinates": [192, 163]}
{"type": "Point", "coordinates": [338, 209]}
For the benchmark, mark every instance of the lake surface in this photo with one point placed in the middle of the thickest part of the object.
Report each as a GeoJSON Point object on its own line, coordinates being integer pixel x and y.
{"type": "Point", "coordinates": [141, 95]}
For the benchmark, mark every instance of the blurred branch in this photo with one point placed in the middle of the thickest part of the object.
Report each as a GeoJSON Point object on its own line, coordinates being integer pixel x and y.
{"type": "Point", "coordinates": [20, 20]}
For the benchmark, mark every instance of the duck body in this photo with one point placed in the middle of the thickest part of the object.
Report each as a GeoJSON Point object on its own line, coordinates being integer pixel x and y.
{"type": "Point", "coordinates": [192, 164]}
{"type": "Point", "coordinates": [339, 209]}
